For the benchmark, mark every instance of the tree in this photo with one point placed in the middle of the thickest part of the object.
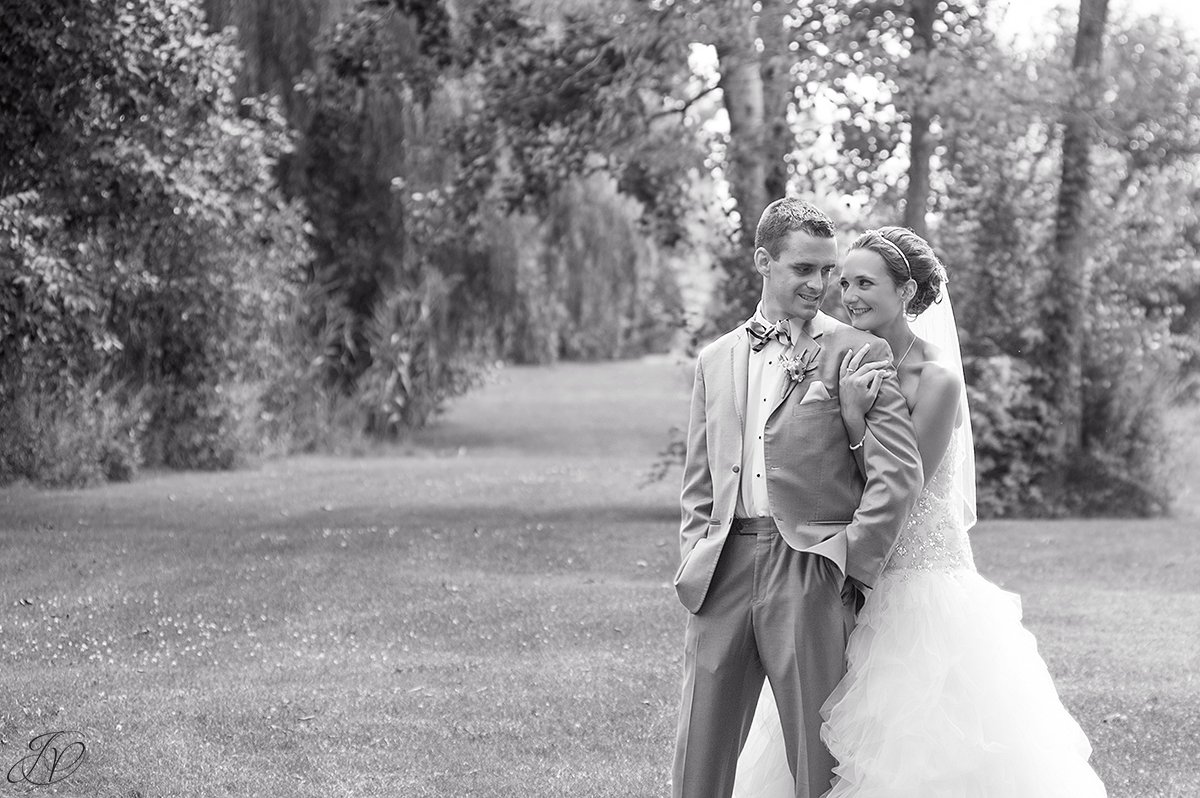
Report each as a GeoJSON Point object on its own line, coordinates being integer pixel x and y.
{"type": "Point", "coordinates": [750, 160]}
{"type": "Point", "coordinates": [1064, 321]}
{"type": "Point", "coordinates": [1002, 165]}
{"type": "Point", "coordinates": [920, 117]}
{"type": "Point", "coordinates": [147, 257]}
{"type": "Point", "coordinates": [891, 68]}
{"type": "Point", "coordinates": [425, 138]}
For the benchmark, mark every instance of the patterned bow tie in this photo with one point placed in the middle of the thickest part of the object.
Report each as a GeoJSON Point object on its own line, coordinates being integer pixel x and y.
{"type": "Point", "coordinates": [763, 333]}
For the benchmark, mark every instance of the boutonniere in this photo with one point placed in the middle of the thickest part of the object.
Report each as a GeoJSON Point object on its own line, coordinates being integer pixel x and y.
{"type": "Point", "coordinates": [799, 367]}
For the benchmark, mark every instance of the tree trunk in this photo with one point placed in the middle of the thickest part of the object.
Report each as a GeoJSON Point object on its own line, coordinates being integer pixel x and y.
{"type": "Point", "coordinates": [742, 88]}
{"type": "Point", "coordinates": [778, 92]}
{"type": "Point", "coordinates": [1069, 279]}
{"type": "Point", "coordinates": [756, 89]}
{"type": "Point", "coordinates": [921, 142]}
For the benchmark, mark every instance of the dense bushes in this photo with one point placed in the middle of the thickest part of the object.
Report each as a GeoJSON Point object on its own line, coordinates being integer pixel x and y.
{"type": "Point", "coordinates": [146, 251]}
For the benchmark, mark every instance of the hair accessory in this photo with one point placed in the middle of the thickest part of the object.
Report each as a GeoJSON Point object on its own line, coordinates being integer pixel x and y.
{"type": "Point", "coordinates": [902, 256]}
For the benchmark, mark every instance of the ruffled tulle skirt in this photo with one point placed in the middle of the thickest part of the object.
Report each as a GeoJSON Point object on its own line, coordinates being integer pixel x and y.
{"type": "Point", "coordinates": [945, 696]}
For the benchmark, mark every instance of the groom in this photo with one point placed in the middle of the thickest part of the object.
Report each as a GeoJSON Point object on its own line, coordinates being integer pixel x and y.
{"type": "Point", "coordinates": [780, 528]}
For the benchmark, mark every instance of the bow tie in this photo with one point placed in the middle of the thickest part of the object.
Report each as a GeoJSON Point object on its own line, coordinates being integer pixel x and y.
{"type": "Point", "coordinates": [763, 333]}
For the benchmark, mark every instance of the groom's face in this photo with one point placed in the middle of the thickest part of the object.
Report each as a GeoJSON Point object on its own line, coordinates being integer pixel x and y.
{"type": "Point", "coordinates": [794, 283]}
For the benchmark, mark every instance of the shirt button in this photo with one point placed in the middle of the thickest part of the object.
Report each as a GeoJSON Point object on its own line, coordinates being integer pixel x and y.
{"type": "Point", "coordinates": [737, 469]}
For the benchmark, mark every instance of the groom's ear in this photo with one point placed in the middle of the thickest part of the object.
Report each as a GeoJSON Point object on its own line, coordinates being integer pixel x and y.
{"type": "Point", "coordinates": [762, 261]}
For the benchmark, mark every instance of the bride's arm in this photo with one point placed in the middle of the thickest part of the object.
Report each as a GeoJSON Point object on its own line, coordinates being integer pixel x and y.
{"type": "Point", "coordinates": [935, 414]}
{"type": "Point", "coordinates": [858, 386]}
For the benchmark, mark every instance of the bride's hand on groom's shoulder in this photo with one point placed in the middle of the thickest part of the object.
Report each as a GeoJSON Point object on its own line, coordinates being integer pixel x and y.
{"type": "Point", "coordinates": [858, 382]}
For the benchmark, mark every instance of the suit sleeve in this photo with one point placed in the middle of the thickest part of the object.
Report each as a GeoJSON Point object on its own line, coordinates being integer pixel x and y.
{"type": "Point", "coordinates": [892, 470]}
{"type": "Point", "coordinates": [696, 497]}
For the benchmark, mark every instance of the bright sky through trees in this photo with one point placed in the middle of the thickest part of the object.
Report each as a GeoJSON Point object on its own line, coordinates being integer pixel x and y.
{"type": "Point", "coordinates": [1026, 18]}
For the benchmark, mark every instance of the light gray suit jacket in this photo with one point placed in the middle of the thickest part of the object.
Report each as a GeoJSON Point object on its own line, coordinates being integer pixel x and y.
{"type": "Point", "coordinates": [817, 494]}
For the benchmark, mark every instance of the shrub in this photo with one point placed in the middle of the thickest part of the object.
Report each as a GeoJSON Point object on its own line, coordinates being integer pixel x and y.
{"type": "Point", "coordinates": [74, 436]}
{"type": "Point", "coordinates": [146, 244]}
{"type": "Point", "coordinates": [1009, 425]}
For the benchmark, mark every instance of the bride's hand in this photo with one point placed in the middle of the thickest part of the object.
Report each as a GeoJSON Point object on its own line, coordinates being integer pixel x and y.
{"type": "Point", "coordinates": [858, 382]}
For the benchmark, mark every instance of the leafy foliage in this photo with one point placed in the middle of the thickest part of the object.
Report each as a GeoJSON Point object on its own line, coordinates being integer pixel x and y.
{"type": "Point", "coordinates": [426, 145]}
{"type": "Point", "coordinates": [524, 179]}
{"type": "Point", "coordinates": [997, 234]}
{"type": "Point", "coordinates": [146, 245]}
{"type": "Point", "coordinates": [582, 89]}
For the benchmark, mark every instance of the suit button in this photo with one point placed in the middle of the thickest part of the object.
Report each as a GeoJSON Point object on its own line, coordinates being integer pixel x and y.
{"type": "Point", "coordinates": [736, 469]}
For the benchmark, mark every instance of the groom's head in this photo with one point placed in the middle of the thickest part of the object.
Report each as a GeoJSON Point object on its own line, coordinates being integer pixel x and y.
{"type": "Point", "coordinates": [795, 252]}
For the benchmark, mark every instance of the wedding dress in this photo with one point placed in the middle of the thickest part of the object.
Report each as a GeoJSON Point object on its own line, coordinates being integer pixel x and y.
{"type": "Point", "coordinates": [945, 694]}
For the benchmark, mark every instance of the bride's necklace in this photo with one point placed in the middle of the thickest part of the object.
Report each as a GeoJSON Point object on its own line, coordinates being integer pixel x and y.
{"type": "Point", "coordinates": [906, 351]}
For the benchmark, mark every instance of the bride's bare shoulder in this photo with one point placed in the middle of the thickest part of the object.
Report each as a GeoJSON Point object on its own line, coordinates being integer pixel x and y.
{"type": "Point", "coordinates": [940, 385]}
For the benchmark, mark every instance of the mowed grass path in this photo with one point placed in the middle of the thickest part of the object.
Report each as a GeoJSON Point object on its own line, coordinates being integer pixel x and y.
{"type": "Point", "coordinates": [487, 613]}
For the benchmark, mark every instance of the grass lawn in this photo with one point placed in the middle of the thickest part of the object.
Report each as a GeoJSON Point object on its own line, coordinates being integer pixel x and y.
{"type": "Point", "coordinates": [487, 612]}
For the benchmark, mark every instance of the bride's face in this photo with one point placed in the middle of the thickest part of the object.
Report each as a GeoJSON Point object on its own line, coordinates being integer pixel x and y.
{"type": "Point", "coordinates": [871, 298]}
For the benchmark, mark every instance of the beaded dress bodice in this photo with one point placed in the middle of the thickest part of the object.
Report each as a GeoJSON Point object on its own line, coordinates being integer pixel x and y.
{"type": "Point", "coordinates": [933, 537]}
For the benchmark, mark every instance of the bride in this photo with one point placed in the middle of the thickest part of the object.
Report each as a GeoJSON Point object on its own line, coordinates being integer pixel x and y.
{"type": "Point", "coordinates": [945, 693]}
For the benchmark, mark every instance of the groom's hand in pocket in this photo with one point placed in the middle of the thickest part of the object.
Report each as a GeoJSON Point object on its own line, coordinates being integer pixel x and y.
{"type": "Point", "coordinates": [852, 595]}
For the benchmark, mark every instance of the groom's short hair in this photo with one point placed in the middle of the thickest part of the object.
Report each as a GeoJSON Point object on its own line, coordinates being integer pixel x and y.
{"type": "Point", "coordinates": [785, 216]}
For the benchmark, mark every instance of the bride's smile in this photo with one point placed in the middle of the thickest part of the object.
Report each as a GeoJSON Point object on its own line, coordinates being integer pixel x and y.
{"type": "Point", "coordinates": [869, 295]}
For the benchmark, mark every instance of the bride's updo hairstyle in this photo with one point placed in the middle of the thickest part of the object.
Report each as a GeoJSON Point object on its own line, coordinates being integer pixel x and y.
{"type": "Point", "coordinates": [907, 257]}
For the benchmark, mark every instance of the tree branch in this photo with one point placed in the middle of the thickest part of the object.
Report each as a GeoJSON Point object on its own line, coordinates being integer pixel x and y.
{"type": "Point", "coordinates": [687, 103]}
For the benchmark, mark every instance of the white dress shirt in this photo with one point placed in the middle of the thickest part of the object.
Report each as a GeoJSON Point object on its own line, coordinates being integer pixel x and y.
{"type": "Point", "coordinates": [764, 382]}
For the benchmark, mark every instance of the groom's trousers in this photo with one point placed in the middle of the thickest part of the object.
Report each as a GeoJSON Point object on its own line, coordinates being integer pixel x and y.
{"type": "Point", "coordinates": [770, 611]}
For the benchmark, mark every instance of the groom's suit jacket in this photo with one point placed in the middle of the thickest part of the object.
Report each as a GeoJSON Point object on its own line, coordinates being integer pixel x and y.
{"type": "Point", "coordinates": [819, 499]}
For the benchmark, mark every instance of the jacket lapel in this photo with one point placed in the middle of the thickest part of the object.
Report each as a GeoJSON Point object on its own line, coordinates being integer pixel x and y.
{"type": "Point", "coordinates": [740, 355]}
{"type": "Point", "coordinates": [806, 346]}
